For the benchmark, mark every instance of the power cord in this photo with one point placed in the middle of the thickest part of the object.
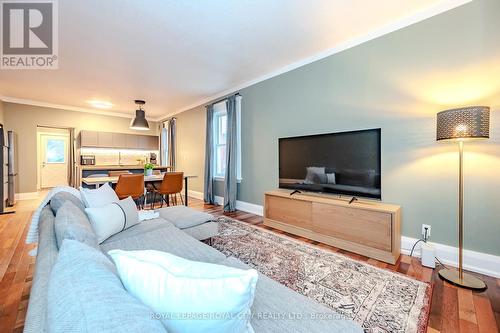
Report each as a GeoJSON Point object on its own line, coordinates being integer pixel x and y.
{"type": "Point", "coordinates": [420, 240]}
{"type": "Point", "coordinates": [413, 248]}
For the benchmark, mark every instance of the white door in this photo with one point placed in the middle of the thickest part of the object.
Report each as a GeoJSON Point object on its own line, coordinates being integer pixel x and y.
{"type": "Point", "coordinates": [54, 160]}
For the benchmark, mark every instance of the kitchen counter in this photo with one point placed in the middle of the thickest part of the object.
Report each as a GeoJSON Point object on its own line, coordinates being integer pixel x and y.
{"type": "Point", "coordinates": [120, 167]}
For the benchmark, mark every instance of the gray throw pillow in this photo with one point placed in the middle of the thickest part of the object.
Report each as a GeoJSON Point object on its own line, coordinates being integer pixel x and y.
{"type": "Point", "coordinates": [315, 175]}
{"type": "Point", "coordinates": [85, 294]}
{"type": "Point", "coordinates": [72, 223]}
{"type": "Point", "coordinates": [60, 198]}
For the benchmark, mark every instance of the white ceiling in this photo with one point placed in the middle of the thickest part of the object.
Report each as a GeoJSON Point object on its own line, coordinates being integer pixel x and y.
{"type": "Point", "coordinates": [177, 54]}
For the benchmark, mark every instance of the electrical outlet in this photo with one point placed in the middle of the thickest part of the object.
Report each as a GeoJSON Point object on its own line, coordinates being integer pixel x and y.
{"type": "Point", "coordinates": [428, 227]}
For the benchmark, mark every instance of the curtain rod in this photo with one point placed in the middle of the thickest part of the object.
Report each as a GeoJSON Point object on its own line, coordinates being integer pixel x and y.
{"type": "Point", "coordinates": [223, 99]}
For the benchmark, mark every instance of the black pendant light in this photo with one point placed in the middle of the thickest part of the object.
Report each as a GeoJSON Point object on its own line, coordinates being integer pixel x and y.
{"type": "Point", "coordinates": [139, 122]}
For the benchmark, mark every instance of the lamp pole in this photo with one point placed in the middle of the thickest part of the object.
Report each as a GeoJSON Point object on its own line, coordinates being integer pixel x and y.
{"type": "Point", "coordinates": [460, 209]}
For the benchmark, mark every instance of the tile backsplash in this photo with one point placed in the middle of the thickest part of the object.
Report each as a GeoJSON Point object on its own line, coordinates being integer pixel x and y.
{"type": "Point", "coordinates": [119, 157]}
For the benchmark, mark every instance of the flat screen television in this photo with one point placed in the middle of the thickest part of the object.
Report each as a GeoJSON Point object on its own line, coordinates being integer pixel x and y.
{"type": "Point", "coordinates": [344, 163]}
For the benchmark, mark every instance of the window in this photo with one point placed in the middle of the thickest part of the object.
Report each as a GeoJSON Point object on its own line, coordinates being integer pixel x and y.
{"type": "Point", "coordinates": [55, 151]}
{"type": "Point", "coordinates": [219, 139]}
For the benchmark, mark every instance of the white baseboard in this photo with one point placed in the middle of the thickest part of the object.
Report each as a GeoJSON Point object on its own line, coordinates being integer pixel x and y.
{"type": "Point", "coordinates": [195, 194]}
{"type": "Point", "coordinates": [26, 196]}
{"type": "Point", "coordinates": [244, 206]}
{"type": "Point", "coordinates": [478, 262]}
{"type": "Point", "coordinates": [240, 205]}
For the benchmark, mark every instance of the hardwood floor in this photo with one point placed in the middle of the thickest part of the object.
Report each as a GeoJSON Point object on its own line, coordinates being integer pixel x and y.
{"type": "Point", "coordinates": [452, 309]}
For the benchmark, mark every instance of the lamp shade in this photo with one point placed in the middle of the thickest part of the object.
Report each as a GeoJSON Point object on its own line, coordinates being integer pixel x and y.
{"type": "Point", "coordinates": [139, 122]}
{"type": "Point", "coordinates": [463, 123]}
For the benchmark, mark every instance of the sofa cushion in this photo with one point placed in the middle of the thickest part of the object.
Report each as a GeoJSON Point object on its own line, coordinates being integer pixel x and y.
{"type": "Point", "coordinates": [197, 289]}
{"type": "Point", "coordinates": [277, 308]}
{"type": "Point", "coordinates": [85, 294]}
{"type": "Point", "coordinates": [72, 223]}
{"type": "Point", "coordinates": [168, 239]}
{"type": "Point", "coordinates": [113, 218]}
{"type": "Point", "coordinates": [184, 217]}
{"type": "Point", "coordinates": [203, 231]}
{"type": "Point", "coordinates": [141, 228]}
{"type": "Point", "coordinates": [60, 198]}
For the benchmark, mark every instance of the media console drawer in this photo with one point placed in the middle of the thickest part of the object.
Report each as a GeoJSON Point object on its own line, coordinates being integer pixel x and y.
{"type": "Point", "coordinates": [368, 228]}
{"type": "Point", "coordinates": [294, 212]}
{"type": "Point", "coordinates": [356, 225]}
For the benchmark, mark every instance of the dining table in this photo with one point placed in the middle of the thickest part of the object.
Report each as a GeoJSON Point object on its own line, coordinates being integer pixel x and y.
{"type": "Point", "coordinates": [100, 180]}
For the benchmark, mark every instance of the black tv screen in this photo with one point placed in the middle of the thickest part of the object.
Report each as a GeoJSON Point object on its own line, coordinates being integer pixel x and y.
{"type": "Point", "coordinates": [345, 163]}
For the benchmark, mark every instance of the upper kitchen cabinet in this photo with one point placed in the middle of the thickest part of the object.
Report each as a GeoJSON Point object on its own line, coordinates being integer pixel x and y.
{"type": "Point", "coordinates": [132, 141]}
{"type": "Point", "coordinates": [105, 139]}
{"type": "Point", "coordinates": [89, 139]}
{"type": "Point", "coordinates": [94, 139]}
{"type": "Point", "coordinates": [120, 140]}
{"type": "Point", "coordinates": [149, 141]}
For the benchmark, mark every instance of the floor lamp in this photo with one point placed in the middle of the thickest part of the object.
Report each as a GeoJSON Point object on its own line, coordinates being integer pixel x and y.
{"type": "Point", "coordinates": [460, 125]}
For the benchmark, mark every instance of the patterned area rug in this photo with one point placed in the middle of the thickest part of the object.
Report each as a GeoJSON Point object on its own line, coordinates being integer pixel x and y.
{"type": "Point", "coordinates": [379, 300]}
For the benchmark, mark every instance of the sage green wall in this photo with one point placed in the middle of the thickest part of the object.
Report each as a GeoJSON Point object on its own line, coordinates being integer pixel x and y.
{"type": "Point", "coordinates": [191, 146]}
{"type": "Point", "coordinates": [397, 82]}
{"type": "Point", "coordinates": [24, 119]}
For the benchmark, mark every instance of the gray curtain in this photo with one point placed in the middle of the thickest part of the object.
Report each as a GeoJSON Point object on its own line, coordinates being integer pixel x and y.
{"type": "Point", "coordinates": [72, 181]}
{"type": "Point", "coordinates": [208, 192]}
{"type": "Point", "coordinates": [171, 142]}
{"type": "Point", "coordinates": [230, 183]}
{"type": "Point", "coordinates": [164, 144]}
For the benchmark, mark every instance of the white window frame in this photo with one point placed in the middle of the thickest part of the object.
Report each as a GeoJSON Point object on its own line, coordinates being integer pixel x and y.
{"type": "Point", "coordinates": [219, 110]}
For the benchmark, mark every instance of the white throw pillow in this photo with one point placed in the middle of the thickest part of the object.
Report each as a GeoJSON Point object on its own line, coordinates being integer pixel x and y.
{"type": "Point", "coordinates": [331, 178]}
{"type": "Point", "coordinates": [189, 296]}
{"type": "Point", "coordinates": [112, 218]}
{"type": "Point", "coordinates": [99, 197]}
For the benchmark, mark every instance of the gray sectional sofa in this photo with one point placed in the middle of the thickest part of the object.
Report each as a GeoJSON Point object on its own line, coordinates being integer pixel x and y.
{"type": "Point", "coordinates": [276, 308]}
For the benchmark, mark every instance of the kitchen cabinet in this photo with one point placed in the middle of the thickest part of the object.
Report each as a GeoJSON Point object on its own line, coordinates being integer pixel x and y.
{"type": "Point", "coordinates": [95, 139]}
{"type": "Point", "coordinates": [132, 141]}
{"type": "Point", "coordinates": [120, 140]}
{"type": "Point", "coordinates": [105, 139]}
{"type": "Point", "coordinates": [88, 139]}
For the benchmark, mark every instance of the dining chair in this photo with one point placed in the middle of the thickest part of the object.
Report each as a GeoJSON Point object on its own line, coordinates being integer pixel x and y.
{"type": "Point", "coordinates": [170, 185]}
{"type": "Point", "coordinates": [131, 185]}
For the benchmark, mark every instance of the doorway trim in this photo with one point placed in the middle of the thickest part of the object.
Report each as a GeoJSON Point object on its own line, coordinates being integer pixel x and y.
{"type": "Point", "coordinates": [56, 131]}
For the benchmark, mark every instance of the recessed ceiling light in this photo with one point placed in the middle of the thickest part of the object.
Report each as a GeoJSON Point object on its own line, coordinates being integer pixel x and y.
{"type": "Point", "coordinates": [100, 104]}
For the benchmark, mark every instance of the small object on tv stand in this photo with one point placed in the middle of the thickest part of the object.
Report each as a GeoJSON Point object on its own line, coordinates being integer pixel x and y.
{"type": "Point", "coordinates": [295, 191]}
{"type": "Point", "coordinates": [352, 200]}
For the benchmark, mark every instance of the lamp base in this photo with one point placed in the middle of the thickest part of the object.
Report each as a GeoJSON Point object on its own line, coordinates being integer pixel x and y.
{"type": "Point", "coordinates": [468, 281]}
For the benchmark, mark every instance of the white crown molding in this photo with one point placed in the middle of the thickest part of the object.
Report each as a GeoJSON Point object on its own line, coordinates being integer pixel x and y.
{"type": "Point", "coordinates": [14, 100]}
{"type": "Point", "coordinates": [404, 22]}
{"type": "Point", "coordinates": [474, 261]}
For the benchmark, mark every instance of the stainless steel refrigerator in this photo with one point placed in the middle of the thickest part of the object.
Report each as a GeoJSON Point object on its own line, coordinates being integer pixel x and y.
{"type": "Point", "coordinates": [4, 174]}
{"type": "Point", "coordinates": [12, 168]}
